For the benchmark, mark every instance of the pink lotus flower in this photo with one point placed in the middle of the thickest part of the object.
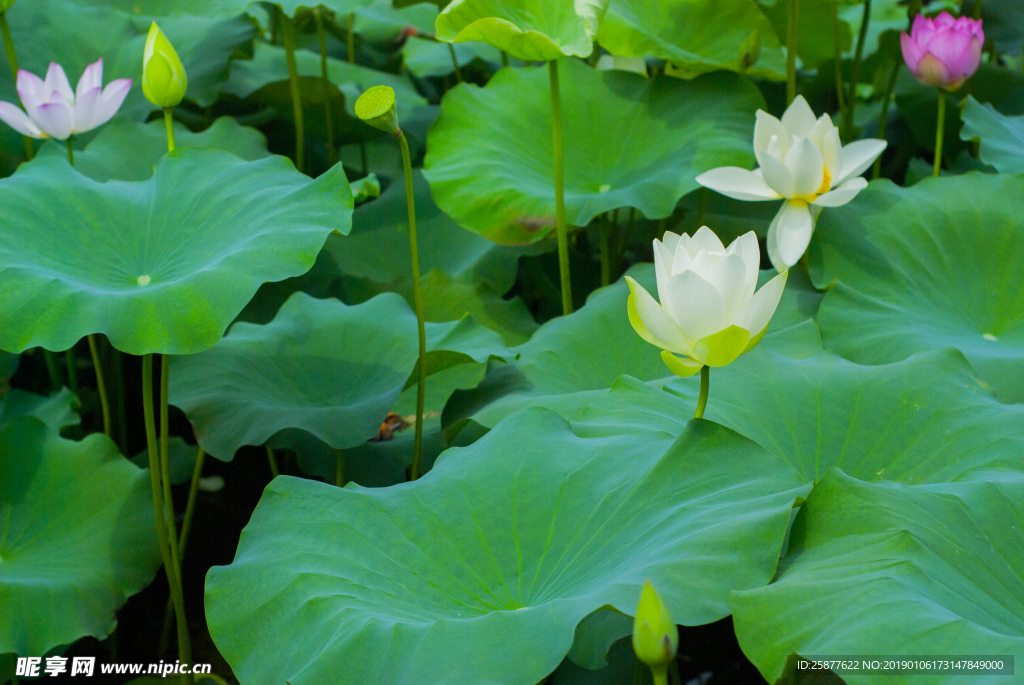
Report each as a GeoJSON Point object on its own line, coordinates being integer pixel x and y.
{"type": "Point", "coordinates": [52, 110]}
{"type": "Point", "coordinates": [943, 52]}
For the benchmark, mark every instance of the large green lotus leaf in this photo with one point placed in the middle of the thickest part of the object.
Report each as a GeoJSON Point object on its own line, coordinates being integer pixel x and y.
{"type": "Point", "coordinates": [934, 265]}
{"type": "Point", "coordinates": [926, 419]}
{"type": "Point", "coordinates": [320, 366]}
{"type": "Point", "coordinates": [696, 35]}
{"type": "Point", "coordinates": [494, 556]}
{"type": "Point", "coordinates": [445, 299]}
{"type": "Point", "coordinates": [76, 34]}
{"type": "Point", "coordinates": [128, 150]}
{"type": "Point", "coordinates": [383, 22]}
{"type": "Point", "coordinates": [76, 536]}
{"type": "Point", "coordinates": [161, 265]}
{"type": "Point", "coordinates": [1001, 137]}
{"type": "Point", "coordinates": [532, 30]}
{"type": "Point", "coordinates": [888, 568]}
{"type": "Point", "coordinates": [424, 57]}
{"type": "Point", "coordinates": [629, 141]}
{"type": "Point", "coordinates": [58, 411]}
{"type": "Point", "coordinates": [268, 66]}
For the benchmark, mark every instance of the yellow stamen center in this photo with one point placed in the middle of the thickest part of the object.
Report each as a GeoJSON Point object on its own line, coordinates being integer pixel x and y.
{"type": "Point", "coordinates": [826, 185]}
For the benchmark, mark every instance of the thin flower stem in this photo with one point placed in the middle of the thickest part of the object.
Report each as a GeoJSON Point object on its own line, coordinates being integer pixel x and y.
{"type": "Point", "coordinates": [71, 151]}
{"type": "Point", "coordinates": [940, 130]}
{"type": "Point", "coordinates": [184, 645]}
{"type": "Point", "coordinates": [288, 35]}
{"type": "Point", "coordinates": [883, 117]}
{"type": "Point", "coordinates": [169, 125]}
{"type": "Point", "coordinates": [792, 35]}
{"type": "Point", "coordinates": [186, 524]}
{"type": "Point", "coordinates": [455, 62]}
{"type": "Point", "coordinates": [12, 59]}
{"type": "Point", "coordinates": [329, 117]}
{"type": "Point", "coordinates": [660, 676]}
{"type": "Point", "coordinates": [274, 471]}
{"type": "Point", "coordinates": [100, 386]}
{"type": "Point", "coordinates": [705, 384]}
{"type": "Point", "coordinates": [606, 264]}
{"type": "Point", "coordinates": [504, 58]}
{"type": "Point", "coordinates": [72, 363]}
{"type": "Point", "coordinates": [50, 359]}
{"type": "Point", "coordinates": [977, 9]}
{"type": "Point", "coordinates": [351, 38]}
{"type": "Point", "coordinates": [165, 467]}
{"type": "Point", "coordinates": [417, 296]}
{"type": "Point", "coordinates": [339, 468]}
{"type": "Point", "coordinates": [851, 95]}
{"type": "Point", "coordinates": [563, 233]}
{"type": "Point", "coordinates": [840, 97]}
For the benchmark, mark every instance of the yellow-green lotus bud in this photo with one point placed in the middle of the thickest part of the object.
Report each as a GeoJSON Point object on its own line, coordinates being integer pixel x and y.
{"type": "Point", "coordinates": [377, 108]}
{"type": "Point", "coordinates": [655, 636]}
{"type": "Point", "coordinates": [163, 75]}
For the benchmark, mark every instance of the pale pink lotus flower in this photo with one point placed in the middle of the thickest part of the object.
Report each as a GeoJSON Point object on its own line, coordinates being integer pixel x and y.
{"type": "Point", "coordinates": [943, 52]}
{"type": "Point", "coordinates": [53, 110]}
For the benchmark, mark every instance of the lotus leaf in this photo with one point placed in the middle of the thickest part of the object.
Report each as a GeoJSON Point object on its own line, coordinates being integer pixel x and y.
{"type": "Point", "coordinates": [1001, 137]}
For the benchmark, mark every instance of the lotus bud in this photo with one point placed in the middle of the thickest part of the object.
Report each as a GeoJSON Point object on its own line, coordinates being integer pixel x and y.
{"type": "Point", "coordinates": [655, 636]}
{"type": "Point", "coordinates": [163, 76]}
{"type": "Point", "coordinates": [377, 108]}
{"type": "Point", "coordinates": [943, 52]}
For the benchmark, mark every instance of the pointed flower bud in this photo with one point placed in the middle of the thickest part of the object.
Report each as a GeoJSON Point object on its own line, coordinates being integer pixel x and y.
{"type": "Point", "coordinates": [655, 636]}
{"type": "Point", "coordinates": [163, 76]}
{"type": "Point", "coordinates": [377, 108]}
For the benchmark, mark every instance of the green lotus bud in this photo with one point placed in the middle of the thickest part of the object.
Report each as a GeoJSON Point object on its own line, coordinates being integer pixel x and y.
{"type": "Point", "coordinates": [377, 108]}
{"type": "Point", "coordinates": [163, 76]}
{"type": "Point", "coordinates": [655, 636]}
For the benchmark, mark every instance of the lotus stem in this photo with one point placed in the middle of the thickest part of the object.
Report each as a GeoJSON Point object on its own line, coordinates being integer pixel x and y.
{"type": "Point", "coordinates": [504, 58]}
{"type": "Point", "coordinates": [563, 234]}
{"type": "Point", "coordinates": [939, 131]}
{"type": "Point", "coordinates": [851, 97]}
{"type": "Point", "coordinates": [840, 97]}
{"type": "Point", "coordinates": [705, 384]}
{"type": "Point", "coordinates": [660, 676]}
{"type": "Point", "coordinates": [883, 120]}
{"type": "Point", "coordinates": [184, 645]}
{"type": "Point", "coordinates": [169, 125]}
{"type": "Point", "coordinates": [274, 471]}
{"type": "Point", "coordinates": [50, 359]}
{"type": "Point", "coordinates": [12, 59]}
{"type": "Point", "coordinates": [72, 363]}
{"type": "Point", "coordinates": [351, 38]}
{"type": "Point", "coordinates": [912, 11]}
{"type": "Point", "coordinates": [792, 35]}
{"type": "Point", "coordinates": [71, 151]}
{"type": "Point", "coordinates": [417, 296]}
{"type": "Point", "coordinates": [329, 119]}
{"type": "Point", "coordinates": [100, 386]}
{"type": "Point", "coordinates": [288, 35]}
{"type": "Point", "coordinates": [977, 9]}
{"type": "Point", "coordinates": [165, 465]}
{"type": "Point", "coordinates": [455, 62]}
{"type": "Point", "coordinates": [339, 468]}
{"type": "Point", "coordinates": [606, 265]}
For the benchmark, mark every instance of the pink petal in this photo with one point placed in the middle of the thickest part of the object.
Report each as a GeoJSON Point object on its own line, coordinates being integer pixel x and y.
{"type": "Point", "coordinates": [944, 19]}
{"type": "Point", "coordinates": [30, 89]}
{"type": "Point", "coordinates": [55, 119]}
{"type": "Point", "coordinates": [92, 77]}
{"type": "Point", "coordinates": [953, 49]}
{"type": "Point", "coordinates": [18, 120]}
{"type": "Point", "coordinates": [976, 30]}
{"type": "Point", "coordinates": [110, 101]}
{"type": "Point", "coordinates": [57, 81]}
{"type": "Point", "coordinates": [84, 110]}
{"type": "Point", "coordinates": [912, 52]}
{"type": "Point", "coordinates": [923, 30]}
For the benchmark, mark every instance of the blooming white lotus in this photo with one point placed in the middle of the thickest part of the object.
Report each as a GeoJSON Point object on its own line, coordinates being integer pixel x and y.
{"type": "Point", "coordinates": [802, 161]}
{"type": "Point", "coordinates": [55, 111]}
{"type": "Point", "coordinates": [709, 312]}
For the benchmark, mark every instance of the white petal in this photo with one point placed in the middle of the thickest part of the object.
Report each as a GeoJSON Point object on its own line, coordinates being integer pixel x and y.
{"type": "Point", "coordinates": [111, 100]}
{"type": "Point", "coordinates": [775, 146]}
{"type": "Point", "coordinates": [662, 268]}
{"type": "Point", "coordinates": [843, 194]}
{"type": "Point", "coordinates": [656, 326]}
{"type": "Point", "coordinates": [696, 306]}
{"type": "Point", "coordinates": [671, 241]}
{"type": "Point", "coordinates": [789, 234]}
{"type": "Point", "coordinates": [707, 240]}
{"type": "Point", "coordinates": [730, 280]}
{"type": "Point", "coordinates": [92, 77]}
{"type": "Point", "coordinates": [765, 127]}
{"type": "Point", "coordinates": [799, 119]}
{"type": "Point", "coordinates": [30, 89]}
{"type": "Point", "coordinates": [756, 314]}
{"type": "Point", "coordinates": [857, 157]}
{"type": "Point", "coordinates": [737, 183]}
{"type": "Point", "coordinates": [85, 110]}
{"type": "Point", "coordinates": [832, 151]}
{"type": "Point", "coordinates": [746, 247]}
{"type": "Point", "coordinates": [776, 175]}
{"type": "Point", "coordinates": [807, 165]}
{"type": "Point", "coordinates": [57, 81]}
{"type": "Point", "coordinates": [703, 265]}
{"type": "Point", "coordinates": [18, 120]}
{"type": "Point", "coordinates": [54, 119]}
{"type": "Point", "coordinates": [821, 129]}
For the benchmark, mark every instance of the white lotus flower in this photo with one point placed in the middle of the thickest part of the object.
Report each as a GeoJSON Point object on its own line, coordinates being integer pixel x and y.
{"type": "Point", "coordinates": [709, 312]}
{"type": "Point", "coordinates": [802, 161]}
{"type": "Point", "coordinates": [55, 111]}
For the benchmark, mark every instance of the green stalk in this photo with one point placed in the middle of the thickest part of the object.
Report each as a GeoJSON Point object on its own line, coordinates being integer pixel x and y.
{"type": "Point", "coordinates": [705, 384]}
{"type": "Point", "coordinates": [660, 676]}
{"type": "Point", "coordinates": [912, 11]}
{"type": "Point", "coordinates": [351, 38]}
{"type": "Point", "coordinates": [339, 468]}
{"type": "Point", "coordinates": [50, 359]}
{"type": "Point", "coordinates": [12, 59]}
{"type": "Point", "coordinates": [100, 386]}
{"type": "Point", "coordinates": [72, 363]}
{"type": "Point", "coordinates": [184, 645]}
{"type": "Point", "coordinates": [71, 151]}
{"type": "Point", "coordinates": [792, 34]}
{"type": "Point", "coordinates": [165, 467]}
{"type": "Point", "coordinates": [977, 9]}
{"type": "Point", "coordinates": [851, 96]}
{"type": "Point", "coordinates": [169, 126]}
{"type": "Point", "coordinates": [274, 471]}
{"type": "Point", "coordinates": [840, 97]}
{"type": "Point", "coordinates": [322, 35]}
{"type": "Point", "coordinates": [563, 233]}
{"type": "Point", "coordinates": [883, 121]}
{"type": "Point", "coordinates": [939, 131]}
{"type": "Point", "coordinates": [186, 524]}
{"type": "Point", "coordinates": [417, 296]}
{"type": "Point", "coordinates": [455, 62]}
{"type": "Point", "coordinates": [504, 58]}
{"type": "Point", "coordinates": [606, 264]}
{"type": "Point", "coordinates": [288, 34]}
